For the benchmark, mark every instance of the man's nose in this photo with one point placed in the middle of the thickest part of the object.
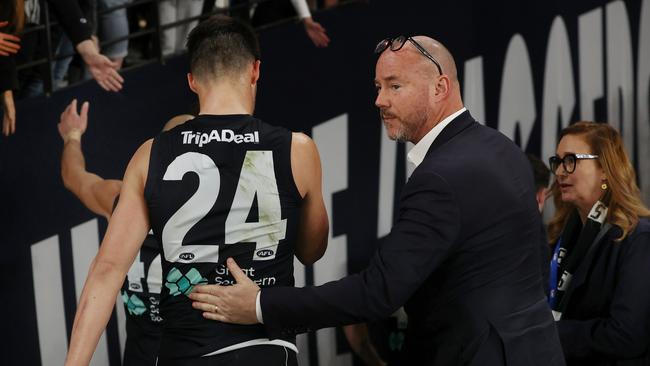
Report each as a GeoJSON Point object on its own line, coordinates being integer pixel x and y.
{"type": "Point", "coordinates": [381, 101]}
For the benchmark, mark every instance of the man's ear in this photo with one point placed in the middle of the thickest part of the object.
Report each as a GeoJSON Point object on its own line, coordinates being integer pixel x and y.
{"type": "Point", "coordinates": [191, 81]}
{"type": "Point", "coordinates": [255, 74]}
{"type": "Point", "coordinates": [442, 87]}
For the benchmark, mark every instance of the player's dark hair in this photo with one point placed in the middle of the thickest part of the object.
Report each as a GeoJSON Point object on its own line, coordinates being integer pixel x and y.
{"type": "Point", "coordinates": [220, 45]}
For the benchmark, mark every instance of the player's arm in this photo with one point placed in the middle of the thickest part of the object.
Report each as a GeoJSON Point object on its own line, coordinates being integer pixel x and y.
{"type": "Point", "coordinates": [96, 193]}
{"type": "Point", "coordinates": [126, 231]}
{"type": "Point", "coordinates": [314, 225]}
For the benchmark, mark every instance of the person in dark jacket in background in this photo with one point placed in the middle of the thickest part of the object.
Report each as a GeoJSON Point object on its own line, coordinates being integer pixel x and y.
{"type": "Point", "coordinates": [600, 293]}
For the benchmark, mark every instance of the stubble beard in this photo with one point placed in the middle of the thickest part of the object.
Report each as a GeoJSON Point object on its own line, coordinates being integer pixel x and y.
{"type": "Point", "coordinates": [403, 131]}
{"type": "Point", "coordinates": [406, 130]}
{"type": "Point", "coordinates": [402, 134]}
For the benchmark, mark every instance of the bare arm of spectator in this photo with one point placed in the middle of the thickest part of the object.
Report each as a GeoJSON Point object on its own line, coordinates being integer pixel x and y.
{"type": "Point", "coordinates": [9, 115]}
{"type": "Point", "coordinates": [95, 192]}
{"type": "Point", "coordinates": [314, 30]}
{"type": "Point", "coordinates": [9, 44]}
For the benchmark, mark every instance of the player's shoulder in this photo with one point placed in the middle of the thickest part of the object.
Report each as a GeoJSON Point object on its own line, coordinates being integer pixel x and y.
{"type": "Point", "coordinates": [138, 166]}
{"type": "Point", "coordinates": [301, 138]}
{"type": "Point", "coordinates": [144, 149]}
{"type": "Point", "coordinates": [141, 156]}
{"type": "Point", "coordinates": [301, 143]}
{"type": "Point", "coordinates": [303, 147]}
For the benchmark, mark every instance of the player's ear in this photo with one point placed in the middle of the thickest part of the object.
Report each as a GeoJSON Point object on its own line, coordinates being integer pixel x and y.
{"type": "Point", "coordinates": [191, 81]}
{"type": "Point", "coordinates": [255, 75]}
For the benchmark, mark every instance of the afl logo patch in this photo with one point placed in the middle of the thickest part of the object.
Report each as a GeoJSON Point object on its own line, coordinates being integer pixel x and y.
{"type": "Point", "coordinates": [186, 256]}
{"type": "Point", "coordinates": [264, 253]}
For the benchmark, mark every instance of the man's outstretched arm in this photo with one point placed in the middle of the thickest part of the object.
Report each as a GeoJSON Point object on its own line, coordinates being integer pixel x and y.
{"type": "Point", "coordinates": [96, 193]}
{"type": "Point", "coordinates": [423, 236]}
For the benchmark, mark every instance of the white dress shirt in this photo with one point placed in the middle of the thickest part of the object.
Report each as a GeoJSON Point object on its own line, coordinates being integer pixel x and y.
{"type": "Point", "coordinates": [419, 151]}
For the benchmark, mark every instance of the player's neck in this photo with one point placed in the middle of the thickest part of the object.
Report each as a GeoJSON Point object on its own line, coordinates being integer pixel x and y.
{"type": "Point", "coordinates": [226, 99]}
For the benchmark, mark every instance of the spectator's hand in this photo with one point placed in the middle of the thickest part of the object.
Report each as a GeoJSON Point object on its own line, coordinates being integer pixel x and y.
{"type": "Point", "coordinates": [230, 304]}
{"type": "Point", "coordinates": [104, 70]}
{"type": "Point", "coordinates": [9, 117]}
{"type": "Point", "coordinates": [73, 124]}
{"type": "Point", "coordinates": [316, 32]}
{"type": "Point", "coordinates": [9, 44]}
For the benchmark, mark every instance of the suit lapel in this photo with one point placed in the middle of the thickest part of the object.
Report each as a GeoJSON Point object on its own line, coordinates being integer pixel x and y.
{"type": "Point", "coordinates": [456, 126]}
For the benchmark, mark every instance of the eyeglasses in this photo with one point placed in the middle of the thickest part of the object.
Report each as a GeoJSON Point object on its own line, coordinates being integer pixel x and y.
{"type": "Point", "coordinates": [568, 161]}
{"type": "Point", "coordinates": [396, 44]}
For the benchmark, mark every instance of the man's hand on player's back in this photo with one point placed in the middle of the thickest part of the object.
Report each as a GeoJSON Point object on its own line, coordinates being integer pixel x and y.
{"type": "Point", "coordinates": [230, 304]}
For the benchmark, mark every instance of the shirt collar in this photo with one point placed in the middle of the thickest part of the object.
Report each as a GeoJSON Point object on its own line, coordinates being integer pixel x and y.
{"type": "Point", "coordinates": [419, 151]}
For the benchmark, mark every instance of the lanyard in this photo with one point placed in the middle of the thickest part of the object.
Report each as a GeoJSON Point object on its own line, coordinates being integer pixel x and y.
{"type": "Point", "coordinates": [552, 298]}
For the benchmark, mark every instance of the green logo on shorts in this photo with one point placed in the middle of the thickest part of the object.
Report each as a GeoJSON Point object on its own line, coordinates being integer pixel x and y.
{"type": "Point", "coordinates": [134, 305]}
{"type": "Point", "coordinates": [177, 283]}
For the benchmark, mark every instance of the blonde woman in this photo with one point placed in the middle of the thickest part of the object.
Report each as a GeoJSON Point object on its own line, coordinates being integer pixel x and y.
{"type": "Point", "coordinates": [599, 288]}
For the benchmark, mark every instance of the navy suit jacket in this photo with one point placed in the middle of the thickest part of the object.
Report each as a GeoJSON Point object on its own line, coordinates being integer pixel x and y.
{"type": "Point", "coordinates": [463, 258]}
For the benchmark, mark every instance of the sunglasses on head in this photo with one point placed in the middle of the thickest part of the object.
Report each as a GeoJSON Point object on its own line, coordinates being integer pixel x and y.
{"type": "Point", "coordinates": [396, 44]}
